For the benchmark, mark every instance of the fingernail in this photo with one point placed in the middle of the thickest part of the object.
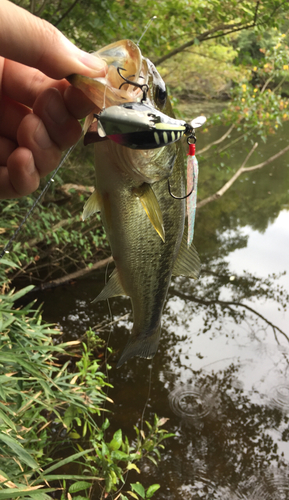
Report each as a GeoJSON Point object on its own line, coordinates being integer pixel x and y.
{"type": "Point", "coordinates": [41, 136]}
{"type": "Point", "coordinates": [94, 62]}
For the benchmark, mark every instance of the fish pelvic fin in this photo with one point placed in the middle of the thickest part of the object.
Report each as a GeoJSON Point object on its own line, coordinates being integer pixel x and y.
{"type": "Point", "coordinates": [113, 288]}
{"type": "Point", "coordinates": [92, 205]}
{"type": "Point", "coordinates": [151, 206]}
{"type": "Point", "coordinates": [142, 345]}
{"type": "Point", "coordinates": [188, 261]}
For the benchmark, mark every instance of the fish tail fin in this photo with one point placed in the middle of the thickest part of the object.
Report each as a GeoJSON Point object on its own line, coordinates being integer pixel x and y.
{"type": "Point", "coordinates": [142, 345]}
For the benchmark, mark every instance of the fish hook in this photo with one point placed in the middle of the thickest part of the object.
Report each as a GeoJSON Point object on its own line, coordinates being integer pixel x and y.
{"type": "Point", "coordinates": [143, 87]}
{"type": "Point", "coordinates": [194, 140]}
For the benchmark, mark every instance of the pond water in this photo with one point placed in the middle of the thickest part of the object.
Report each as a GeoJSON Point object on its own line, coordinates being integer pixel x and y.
{"type": "Point", "coordinates": [221, 373]}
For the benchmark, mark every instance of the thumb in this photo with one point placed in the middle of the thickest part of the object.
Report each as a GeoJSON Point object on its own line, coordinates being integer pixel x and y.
{"type": "Point", "coordinates": [34, 42]}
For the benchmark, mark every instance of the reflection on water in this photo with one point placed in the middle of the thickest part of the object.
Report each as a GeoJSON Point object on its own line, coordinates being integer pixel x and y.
{"type": "Point", "coordinates": [221, 372]}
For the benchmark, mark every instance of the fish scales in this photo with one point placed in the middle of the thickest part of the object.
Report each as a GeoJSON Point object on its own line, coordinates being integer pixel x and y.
{"type": "Point", "coordinates": [143, 223]}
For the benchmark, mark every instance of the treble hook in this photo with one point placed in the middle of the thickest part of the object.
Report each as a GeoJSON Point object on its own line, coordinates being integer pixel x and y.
{"type": "Point", "coordinates": [143, 87]}
{"type": "Point", "coordinates": [192, 136]}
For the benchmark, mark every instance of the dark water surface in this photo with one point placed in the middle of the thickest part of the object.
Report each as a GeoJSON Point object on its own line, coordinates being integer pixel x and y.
{"type": "Point", "coordinates": [221, 373]}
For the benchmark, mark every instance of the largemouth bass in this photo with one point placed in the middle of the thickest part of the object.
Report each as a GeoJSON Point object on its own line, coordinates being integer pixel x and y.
{"type": "Point", "coordinates": [145, 226]}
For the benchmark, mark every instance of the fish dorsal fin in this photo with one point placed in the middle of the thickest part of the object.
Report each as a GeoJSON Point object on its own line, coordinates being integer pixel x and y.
{"type": "Point", "coordinates": [150, 203]}
{"type": "Point", "coordinates": [92, 205]}
{"type": "Point", "coordinates": [188, 261]}
{"type": "Point", "coordinates": [113, 288]}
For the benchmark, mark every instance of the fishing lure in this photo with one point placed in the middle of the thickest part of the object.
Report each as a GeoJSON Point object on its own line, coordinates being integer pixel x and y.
{"type": "Point", "coordinates": [192, 186]}
{"type": "Point", "coordinates": [192, 178]}
{"type": "Point", "coordinates": [137, 125]}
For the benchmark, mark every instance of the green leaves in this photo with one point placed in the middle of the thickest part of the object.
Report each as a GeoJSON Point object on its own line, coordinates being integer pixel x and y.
{"type": "Point", "coordinates": [79, 486]}
{"type": "Point", "coordinates": [151, 490]}
{"type": "Point", "coordinates": [116, 441]}
{"type": "Point", "coordinates": [139, 489]}
{"type": "Point", "coordinates": [145, 494]}
{"type": "Point", "coordinates": [22, 454]}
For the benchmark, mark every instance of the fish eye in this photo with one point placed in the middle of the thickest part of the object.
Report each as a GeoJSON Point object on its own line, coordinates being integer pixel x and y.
{"type": "Point", "coordinates": [160, 95]}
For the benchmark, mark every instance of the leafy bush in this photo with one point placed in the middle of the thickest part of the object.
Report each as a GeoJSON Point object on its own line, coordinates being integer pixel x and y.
{"type": "Point", "coordinates": [49, 406]}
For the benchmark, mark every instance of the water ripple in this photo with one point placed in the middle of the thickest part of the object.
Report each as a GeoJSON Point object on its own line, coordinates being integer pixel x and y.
{"type": "Point", "coordinates": [279, 397]}
{"type": "Point", "coordinates": [193, 401]}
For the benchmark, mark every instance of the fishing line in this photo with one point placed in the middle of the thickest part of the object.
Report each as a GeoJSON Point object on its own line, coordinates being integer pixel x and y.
{"type": "Point", "coordinates": [146, 28]}
{"type": "Point", "coordinates": [109, 335]}
{"type": "Point", "coordinates": [8, 245]}
{"type": "Point", "coordinates": [148, 396]}
{"type": "Point", "coordinates": [111, 320]}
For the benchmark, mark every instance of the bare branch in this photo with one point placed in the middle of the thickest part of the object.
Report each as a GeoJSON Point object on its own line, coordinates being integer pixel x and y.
{"type": "Point", "coordinates": [266, 162]}
{"type": "Point", "coordinates": [225, 28]}
{"type": "Point", "coordinates": [218, 141]}
{"type": "Point", "coordinates": [66, 13]}
{"type": "Point", "coordinates": [200, 38]}
{"type": "Point", "coordinates": [41, 9]}
{"type": "Point", "coordinates": [77, 274]}
{"type": "Point", "coordinates": [32, 6]}
{"type": "Point", "coordinates": [242, 169]}
{"type": "Point", "coordinates": [228, 184]}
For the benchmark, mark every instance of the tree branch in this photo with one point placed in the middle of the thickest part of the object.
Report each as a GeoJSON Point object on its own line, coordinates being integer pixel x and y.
{"type": "Point", "coordinates": [229, 28]}
{"type": "Point", "coordinates": [77, 274]}
{"type": "Point", "coordinates": [218, 141]}
{"type": "Point", "coordinates": [242, 169]}
{"type": "Point", "coordinates": [228, 184]}
{"type": "Point", "coordinates": [66, 13]}
{"type": "Point", "coordinates": [184, 46]}
{"type": "Point", "coordinates": [41, 9]}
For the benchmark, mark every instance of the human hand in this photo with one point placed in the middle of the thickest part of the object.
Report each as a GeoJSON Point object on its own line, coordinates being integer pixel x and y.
{"type": "Point", "coordinates": [39, 111]}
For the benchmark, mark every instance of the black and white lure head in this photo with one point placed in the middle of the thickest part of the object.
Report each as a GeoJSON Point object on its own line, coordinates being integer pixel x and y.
{"type": "Point", "coordinates": [138, 125]}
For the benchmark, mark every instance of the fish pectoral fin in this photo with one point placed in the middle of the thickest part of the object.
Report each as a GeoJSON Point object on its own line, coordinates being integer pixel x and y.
{"type": "Point", "coordinates": [151, 206]}
{"type": "Point", "coordinates": [113, 288]}
{"type": "Point", "coordinates": [92, 205]}
{"type": "Point", "coordinates": [143, 345]}
{"type": "Point", "coordinates": [188, 261]}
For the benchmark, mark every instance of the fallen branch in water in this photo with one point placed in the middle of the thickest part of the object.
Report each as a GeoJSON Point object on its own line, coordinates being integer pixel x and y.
{"type": "Point", "coordinates": [77, 274]}
{"type": "Point", "coordinates": [241, 170]}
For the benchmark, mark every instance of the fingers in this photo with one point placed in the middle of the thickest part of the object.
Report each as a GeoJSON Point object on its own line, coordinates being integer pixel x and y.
{"type": "Point", "coordinates": [11, 115]}
{"type": "Point", "coordinates": [24, 84]}
{"type": "Point", "coordinates": [62, 127]}
{"type": "Point", "coordinates": [38, 44]}
{"type": "Point", "coordinates": [20, 177]}
{"type": "Point", "coordinates": [41, 137]}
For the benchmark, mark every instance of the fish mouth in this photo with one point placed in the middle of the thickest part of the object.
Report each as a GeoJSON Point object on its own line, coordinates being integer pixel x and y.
{"type": "Point", "coordinates": [123, 59]}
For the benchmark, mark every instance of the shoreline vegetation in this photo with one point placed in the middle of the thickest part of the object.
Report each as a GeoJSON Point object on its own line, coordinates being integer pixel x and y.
{"type": "Point", "coordinates": [233, 62]}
